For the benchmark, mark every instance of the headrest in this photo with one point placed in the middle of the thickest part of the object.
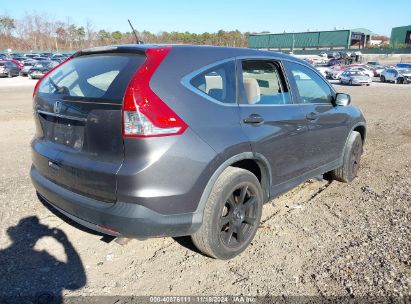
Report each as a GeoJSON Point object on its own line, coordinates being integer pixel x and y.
{"type": "Point", "coordinates": [252, 90]}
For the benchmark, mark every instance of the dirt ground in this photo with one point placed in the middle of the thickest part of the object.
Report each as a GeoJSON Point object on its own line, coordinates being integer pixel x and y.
{"type": "Point", "coordinates": [321, 239]}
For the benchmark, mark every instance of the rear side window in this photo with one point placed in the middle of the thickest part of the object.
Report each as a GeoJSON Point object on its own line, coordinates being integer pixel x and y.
{"type": "Point", "coordinates": [263, 83]}
{"type": "Point", "coordinates": [103, 76]}
{"type": "Point", "coordinates": [218, 82]}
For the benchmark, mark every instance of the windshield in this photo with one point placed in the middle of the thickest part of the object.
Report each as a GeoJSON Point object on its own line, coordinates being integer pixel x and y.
{"type": "Point", "coordinates": [356, 73]}
{"type": "Point", "coordinates": [405, 71]}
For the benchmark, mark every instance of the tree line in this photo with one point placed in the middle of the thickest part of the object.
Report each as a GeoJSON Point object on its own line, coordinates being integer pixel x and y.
{"type": "Point", "coordinates": [40, 32]}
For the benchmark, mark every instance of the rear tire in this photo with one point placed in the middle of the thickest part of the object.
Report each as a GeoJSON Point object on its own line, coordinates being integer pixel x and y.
{"type": "Point", "coordinates": [382, 78]}
{"type": "Point", "coordinates": [10, 75]}
{"type": "Point", "coordinates": [351, 159]}
{"type": "Point", "coordinates": [231, 216]}
{"type": "Point", "coordinates": [350, 82]}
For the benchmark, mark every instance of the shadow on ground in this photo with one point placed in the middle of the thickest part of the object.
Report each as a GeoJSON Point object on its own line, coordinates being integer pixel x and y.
{"type": "Point", "coordinates": [28, 275]}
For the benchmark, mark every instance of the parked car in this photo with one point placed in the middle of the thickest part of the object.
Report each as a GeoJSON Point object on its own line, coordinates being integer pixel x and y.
{"type": "Point", "coordinates": [28, 64]}
{"type": "Point", "coordinates": [403, 65]}
{"type": "Point", "coordinates": [323, 70]}
{"type": "Point", "coordinates": [40, 69]}
{"type": "Point", "coordinates": [335, 72]}
{"type": "Point", "coordinates": [402, 75]}
{"type": "Point", "coordinates": [39, 58]}
{"type": "Point", "coordinates": [318, 60]}
{"type": "Point", "coordinates": [353, 77]}
{"type": "Point", "coordinates": [333, 55]}
{"type": "Point", "coordinates": [333, 61]}
{"type": "Point", "coordinates": [47, 55]}
{"type": "Point", "coordinates": [19, 58]}
{"type": "Point", "coordinates": [362, 69]}
{"type": "Point", "coordinates": [323, 55]}
{"type": "Point", "coordinates": [8, 69]}
{"type": "Point", "coordinates": [16, 62]}
{"type": "Point", "coordinates": [30, 55]}
{"type": "Point", "coordinates": [376, 69]}
{"type": "Point", "coordinates": [138, 141]}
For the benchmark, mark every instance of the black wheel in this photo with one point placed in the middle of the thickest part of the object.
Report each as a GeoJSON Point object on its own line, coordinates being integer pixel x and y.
{"type": "Point", "coordinates": [351, 159]}
{"type": "Point", "coordinates": [399, 80]}
{"type": "Point", "coordinates": [231, 216]}
{"type": "Point", "coordinates": [9, 75]}
{"type": "Point", "coordinates": [350, 82]}
{"type": "Point", "coordinates": [382, 78]}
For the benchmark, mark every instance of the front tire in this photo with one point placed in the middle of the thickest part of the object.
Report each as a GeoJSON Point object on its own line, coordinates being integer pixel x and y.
{"type": "Point", "coordinates": [351, 159]}
{"type": "Point", "coordinates": [231, 216]}
{"type": "Point", "coordinates": [382, 79]}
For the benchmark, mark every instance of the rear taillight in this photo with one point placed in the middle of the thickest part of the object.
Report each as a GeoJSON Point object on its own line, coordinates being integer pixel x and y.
{"type": "Point", "coordinates": [45, 75]}
{"type": "Point", "coordinates": [144, 113]}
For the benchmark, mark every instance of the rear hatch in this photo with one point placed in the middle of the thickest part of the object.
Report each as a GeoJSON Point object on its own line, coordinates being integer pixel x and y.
{"type": "Point", "coordinates": [78, 113]}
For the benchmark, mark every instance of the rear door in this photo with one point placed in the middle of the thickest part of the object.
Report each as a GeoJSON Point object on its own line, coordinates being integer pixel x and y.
{"type": "Point", "coordinates": [78, 142]}
{"type": "Point", "coordinates": [274, 125]}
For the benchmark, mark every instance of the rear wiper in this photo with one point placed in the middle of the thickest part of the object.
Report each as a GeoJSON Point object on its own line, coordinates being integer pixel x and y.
{"type": "Point", "coordinates": [60, 90]}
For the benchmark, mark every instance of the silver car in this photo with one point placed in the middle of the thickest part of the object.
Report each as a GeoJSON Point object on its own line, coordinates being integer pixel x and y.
{"type": "Point", "coordinates": [355, 78]}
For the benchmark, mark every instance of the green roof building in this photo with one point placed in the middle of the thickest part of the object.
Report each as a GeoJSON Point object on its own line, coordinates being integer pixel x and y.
{"type": "Point", "coordinates": [311, 40]}
{"type": "Point", "coordinates": [401, 35]}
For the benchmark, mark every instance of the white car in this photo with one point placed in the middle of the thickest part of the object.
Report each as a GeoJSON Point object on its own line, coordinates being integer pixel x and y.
{"type": "Point", "coordinates": [337, 74]}
{"type": "Point", "coordinates": [396, 75]}
{"type": "Point", "coordinates": [362, 69]}
{"type": "Point", "coordinates": [323, 70]}
{"type": "Point", "coordinates": [355, 78]}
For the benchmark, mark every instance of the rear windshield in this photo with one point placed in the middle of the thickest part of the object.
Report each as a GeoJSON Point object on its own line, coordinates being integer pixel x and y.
{"type": "Point", "coordinates": [103, 77]}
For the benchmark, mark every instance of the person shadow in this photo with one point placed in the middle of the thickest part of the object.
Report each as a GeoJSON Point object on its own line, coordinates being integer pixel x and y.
{"type": "Point", "coordinates": [28, 275]}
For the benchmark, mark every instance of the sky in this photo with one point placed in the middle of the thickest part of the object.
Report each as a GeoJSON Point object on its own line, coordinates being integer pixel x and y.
{"type": "Point", "coordinates": [200, 16]}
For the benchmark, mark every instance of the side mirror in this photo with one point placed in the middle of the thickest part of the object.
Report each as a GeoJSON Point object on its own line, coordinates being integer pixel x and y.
{"type": "Point", "coordinates": [342, 99]}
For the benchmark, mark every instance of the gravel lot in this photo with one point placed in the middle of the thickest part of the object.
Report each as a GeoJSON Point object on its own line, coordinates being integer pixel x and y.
{"type": "Point", "coordinates": [321, 239]}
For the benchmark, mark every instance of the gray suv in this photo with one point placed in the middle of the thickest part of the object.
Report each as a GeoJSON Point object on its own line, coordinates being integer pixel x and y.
{"type": "Point", "coordinates": [157, 140]}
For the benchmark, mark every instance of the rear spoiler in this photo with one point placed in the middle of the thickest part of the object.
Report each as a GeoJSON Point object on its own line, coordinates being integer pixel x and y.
{"type": "Point", "coordinates": [111, 49]}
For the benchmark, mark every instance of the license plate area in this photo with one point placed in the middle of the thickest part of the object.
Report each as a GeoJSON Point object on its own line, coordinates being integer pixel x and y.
{"type": "Point", "coordinates": [63, 131]}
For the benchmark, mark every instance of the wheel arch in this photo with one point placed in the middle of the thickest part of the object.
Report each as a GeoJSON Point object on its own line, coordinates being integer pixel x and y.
{"type": "Point", "coordinates": [360, 128]}
{"type": "Point", "coordinates": [253, 162]}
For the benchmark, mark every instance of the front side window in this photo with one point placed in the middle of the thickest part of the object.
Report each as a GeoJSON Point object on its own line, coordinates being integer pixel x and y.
{"type": "Point", "coordinates": [219, 82]}
{"type": "Point", "coordinates": [310, 86]}
{"type": "Point", "coordinates": [263, 83]}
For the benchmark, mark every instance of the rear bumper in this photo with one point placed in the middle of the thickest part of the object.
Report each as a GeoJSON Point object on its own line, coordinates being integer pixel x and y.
{"type": "Point", "coordinates": [126, 219]}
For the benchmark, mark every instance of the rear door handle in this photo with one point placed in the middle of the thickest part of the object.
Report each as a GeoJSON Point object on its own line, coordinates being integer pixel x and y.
{"type": "Point", "coordinates": [254, 119]}
{"type": "Point", "coordinates": [311, 116]}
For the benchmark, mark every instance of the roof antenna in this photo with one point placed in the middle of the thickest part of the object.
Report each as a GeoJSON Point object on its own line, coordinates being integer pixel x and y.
{"type": "Point", "coordinates": [135, 33]}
